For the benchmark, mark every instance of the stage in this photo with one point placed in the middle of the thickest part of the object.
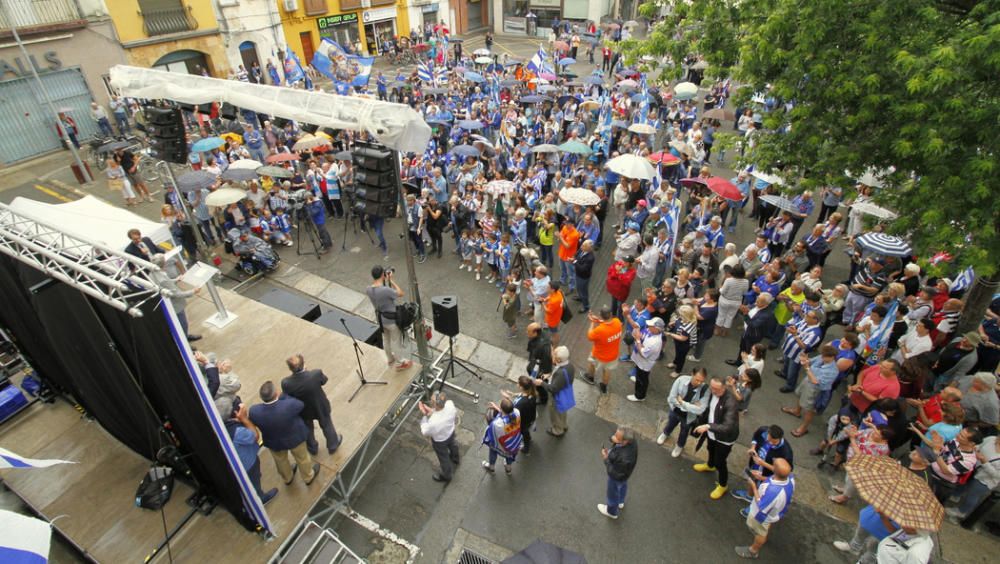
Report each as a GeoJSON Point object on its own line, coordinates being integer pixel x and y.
{"type": "Point", "coordinates": [92, 503]}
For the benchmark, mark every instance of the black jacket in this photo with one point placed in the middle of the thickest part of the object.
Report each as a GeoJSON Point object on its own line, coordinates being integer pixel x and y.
{"type": "Point", "coordinates": [727, 418]}
{"type": "Point", "coordinates": [761, 325]}
{"type": "Point", "coordinates": [307, 387]}
{"type": "Point", "coordinates": [526, 406]}
{"type": "Point", "coordinates": [280, 423]}
{"type": "Point", "coordinates": [540, 353]}
{"type": "Point", "coordinates": [135, 251]}
{"type": "Point", "coordinates": [584, 264]}
{"type": "Point", "coordinates": [561, 377]}
{"type": "Point", "coordinates": [621, 461]}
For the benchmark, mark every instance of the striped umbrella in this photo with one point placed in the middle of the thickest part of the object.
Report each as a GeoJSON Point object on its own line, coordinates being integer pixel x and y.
{"type": "Point", "coordinates": [886, 245]}
{"type": "Point", "coordinates": [779, 202]}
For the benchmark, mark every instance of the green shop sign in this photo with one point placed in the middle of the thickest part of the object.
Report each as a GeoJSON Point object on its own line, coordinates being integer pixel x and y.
{"type": "Point", "coordinates": [331, 21]}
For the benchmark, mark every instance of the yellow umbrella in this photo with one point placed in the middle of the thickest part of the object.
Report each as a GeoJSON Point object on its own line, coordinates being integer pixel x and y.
{"type": "Point", "coordinates": [232, 137]}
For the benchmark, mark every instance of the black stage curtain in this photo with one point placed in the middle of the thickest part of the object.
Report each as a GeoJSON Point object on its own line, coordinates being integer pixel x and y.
{"type": "Point", "coordinates": [127, 372]}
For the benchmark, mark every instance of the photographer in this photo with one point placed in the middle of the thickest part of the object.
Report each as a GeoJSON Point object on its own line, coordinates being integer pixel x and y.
{"type": "Point", "coordinates": [383, 293]}
{"type": "Point", "coordinates": [317, 212]}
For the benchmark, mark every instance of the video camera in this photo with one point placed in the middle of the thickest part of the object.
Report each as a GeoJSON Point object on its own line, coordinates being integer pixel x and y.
{"type": "Point", "coordinates": [297, 199]}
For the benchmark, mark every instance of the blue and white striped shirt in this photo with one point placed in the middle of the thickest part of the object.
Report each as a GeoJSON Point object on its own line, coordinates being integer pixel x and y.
{"type": "Point", "coordinates": [774, 496]}
{"type": "Point", "coordinates": [810, 336]}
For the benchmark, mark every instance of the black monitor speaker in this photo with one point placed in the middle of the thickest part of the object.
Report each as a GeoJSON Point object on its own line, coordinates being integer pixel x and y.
{"type": "Point", "coordinates": [445, 310]}
{"type": "Point", "coordinates": [228, 111]}
{"type": "Point", "coordinates": [309, 128]}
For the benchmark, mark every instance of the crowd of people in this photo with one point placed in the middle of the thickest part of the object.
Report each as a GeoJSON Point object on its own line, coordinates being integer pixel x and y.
{"type": "Point", "coordinates": [875, 357]}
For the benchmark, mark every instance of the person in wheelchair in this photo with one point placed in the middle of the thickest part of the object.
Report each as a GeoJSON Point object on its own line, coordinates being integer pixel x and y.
{"type": "Point", "coordinates": [254, 254]}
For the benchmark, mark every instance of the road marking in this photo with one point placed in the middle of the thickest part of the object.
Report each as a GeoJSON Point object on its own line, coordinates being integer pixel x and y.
{"type": "Point", "coordinates": [60, 184]}
{"type": "Point", "coordinates": [52, 193]}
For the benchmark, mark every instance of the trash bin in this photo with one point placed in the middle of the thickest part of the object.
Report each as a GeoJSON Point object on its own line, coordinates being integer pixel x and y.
{"type": "Point", "coordinates": [79, 173]}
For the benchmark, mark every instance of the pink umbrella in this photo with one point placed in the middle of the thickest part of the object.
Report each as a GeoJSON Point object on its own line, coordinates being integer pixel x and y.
{"type": "Point", "coordinates": [547, 76]}
{"type": "Point", "coordinates": [724, 188]}
{"type": "Point", "coordinates": [560, 46]}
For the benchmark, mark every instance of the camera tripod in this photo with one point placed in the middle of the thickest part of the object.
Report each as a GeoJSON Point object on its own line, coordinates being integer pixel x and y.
{"type": "Point", "coordinates": [307, 224]}
{"type": "Point", "coordinates": [358, 353]}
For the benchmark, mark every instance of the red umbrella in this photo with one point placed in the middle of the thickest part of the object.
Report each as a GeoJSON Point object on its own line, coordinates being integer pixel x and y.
{"type": "Point", "coordinates": [664, 158]}
{"type": "Point", "coordinates": [560, 46]}
{"type": "Point", "coordinates": [282, 157]}
{"type": "Point", "coordinates": [724, 188]}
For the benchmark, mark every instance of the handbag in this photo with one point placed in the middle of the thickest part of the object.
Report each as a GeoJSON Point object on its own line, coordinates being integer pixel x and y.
{"type": "Point", "coordinates": [116, 184]}
{"type": "Point", "coordinates": [564, 398]}
{"type": "Point", "coordinates": [156, 487]}
{"type": "Point", "coordinates": [567, 314]}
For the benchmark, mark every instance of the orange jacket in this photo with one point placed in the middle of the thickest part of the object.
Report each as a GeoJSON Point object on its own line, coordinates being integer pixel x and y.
{"type": "Point", "coordinates": [553, 309]}
{"type": "Point", "coordinates": [569, 241]}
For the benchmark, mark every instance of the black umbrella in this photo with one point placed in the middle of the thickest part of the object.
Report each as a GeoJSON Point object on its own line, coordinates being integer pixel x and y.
{"type": "Point", "coordinates": [438, 122]}
{"type": "Point", "coordinates": [114, 146]}
{"type": "Point", "coordinates": [566, 98]}
{"type": "Point", "coordinates": [534, 99]}
{"type": "Point", "coordinates": [541, 552]}
{"type": "Point", "coordinates": [195, 180]}
{"type": "Point", "coordinates": [239, 174]}
{"type": "Point", "coordinates": [508, 82]}
{"type": "Point", "coordinates": [342, 156]}
{"type": "Point", "coordinates": [569, 75]}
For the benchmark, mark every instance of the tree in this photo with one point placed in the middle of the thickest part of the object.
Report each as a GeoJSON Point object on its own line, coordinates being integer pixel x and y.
{"type": "Point", "coordinates": [870, 85]}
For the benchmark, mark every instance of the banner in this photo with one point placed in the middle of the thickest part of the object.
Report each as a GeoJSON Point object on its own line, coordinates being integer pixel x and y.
{"type": "Point", "coordinates": [293, 69]}
{"type": "Point", "coordinates": [9, 459]}
{"type": "Point", "coordinates": [361, 68]}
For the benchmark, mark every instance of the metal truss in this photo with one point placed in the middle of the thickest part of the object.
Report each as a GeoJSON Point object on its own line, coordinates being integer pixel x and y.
{"type": "Point", "coordinates": [111, 276]}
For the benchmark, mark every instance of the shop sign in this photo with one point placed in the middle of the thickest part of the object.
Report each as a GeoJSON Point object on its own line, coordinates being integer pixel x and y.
{"type": "Point", "coordinates": [547, 3]}
{"type": "Point", "coordinates": [20, 69]}
{"type": "Point", "coordinates": [335, 20]}
{"type": "Point", "coordinates": [429, 8]}
{"type": "Point", "coordinates": [378, 14]}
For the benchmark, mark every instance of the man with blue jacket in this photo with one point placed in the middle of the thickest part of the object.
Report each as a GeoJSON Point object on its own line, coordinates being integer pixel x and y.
{"type": "Point", "coordinates": [768, 444]}
{"type": "Point", "coordinates": [280, 423]}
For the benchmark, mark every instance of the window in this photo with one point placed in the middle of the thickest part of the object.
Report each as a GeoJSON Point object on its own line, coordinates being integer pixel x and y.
{"type": "Point", "coordinates": [315, 7]}
{"type": "Point", "coordinates": [160, 17]}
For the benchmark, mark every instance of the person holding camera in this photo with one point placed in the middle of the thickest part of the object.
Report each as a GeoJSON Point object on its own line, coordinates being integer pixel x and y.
{"type": "Point", "coordinates": [383, 293]}
{"type": "Point", "coordinates": [619, 461]}
{"type": "Point", "coordinates": [317, 212]}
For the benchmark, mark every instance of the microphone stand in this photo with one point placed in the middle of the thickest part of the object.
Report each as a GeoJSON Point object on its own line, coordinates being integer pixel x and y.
{"type": "Point", "coordinates": [358, 353]}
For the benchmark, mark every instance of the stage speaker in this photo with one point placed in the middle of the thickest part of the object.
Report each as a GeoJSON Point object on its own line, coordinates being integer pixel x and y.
{"type": "Point", "coordinates": [309, 128]}
{"type": "Point", "coordinates": [279, 122]}
{"type": "Point", "coordinates": [185, 107]}
{"type": "Point", "coordinates": [158, 116]}
{"type": "Point", "coordinates": [228, 111]}
{"type": "Point", "coordinates": [445, 310]}
{"type": "Point", "coordinates": [205, 108]}
{"type": "Point", "coordinates": [167, 140]}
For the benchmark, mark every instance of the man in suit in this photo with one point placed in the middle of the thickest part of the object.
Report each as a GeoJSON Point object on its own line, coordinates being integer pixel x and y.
{"type": "Point", "coordinates": [307, 387]}
{"type": "Point", "coordinates": [760, 323]}
{"type": "Point", "coordinates": [142, 247]}
{"type": "Point", "coordinates": [280, 423]}
{"type": "Point", "coordinates": [720, 423]}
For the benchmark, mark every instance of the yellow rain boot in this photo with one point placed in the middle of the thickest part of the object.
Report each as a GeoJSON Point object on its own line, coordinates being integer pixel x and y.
{"type": "Point", "coordinates": [703, 467]}
{"type": "Point", "coordinates": [718, 492]}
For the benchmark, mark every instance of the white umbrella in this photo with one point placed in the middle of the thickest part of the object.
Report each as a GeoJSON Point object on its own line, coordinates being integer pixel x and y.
{"type": "Point", "coordinates": [685, 91]}
{"type": "Point", "coordinates": [497, 187]}
{"type": "Point", "coordinates": [768, 178]}
{"type": "Point", "coordinates": [871, 177]}
{"type": "Point", "coordinates": [247, 164]}
{"type": "Point", "coordinates": [481, 52]}
{"type": "Point", "coordinates": [225, 196]}
{"type": "Point", "coordinates": [579, 197]}
{"type": "Point", "coordinates": [873, 210]}
{"type": "Point", "coordinates": [681, 147]}
{"type": "Point", "coordinates": [632, 166]}
{"type": "Point", "coordinates": [545, 148]}
{"type": "Point", "coordinates": [642, 128]}
{"type": "Point", "coordinates": [308, 142]}
{"type": "Point", "coordinates": [483, 60]}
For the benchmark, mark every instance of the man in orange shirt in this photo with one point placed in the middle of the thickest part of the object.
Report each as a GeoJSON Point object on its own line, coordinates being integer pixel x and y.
{"type": "Point", "coordinates": [553, 305]}
{"type": "Point", "coordinates": [605, 334]}
{"type": "Point", "coordinates": [569, 242]}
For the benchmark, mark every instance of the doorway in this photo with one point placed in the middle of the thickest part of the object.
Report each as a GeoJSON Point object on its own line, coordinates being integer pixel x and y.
{"type": "Point", "coordinates": [248, 53]}
{"type": "Point", "coordinates": [307, 47]}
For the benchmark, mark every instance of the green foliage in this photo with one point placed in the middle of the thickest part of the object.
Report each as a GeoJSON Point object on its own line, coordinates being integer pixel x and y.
{"type": "Point", "coordinates": [874, 84]}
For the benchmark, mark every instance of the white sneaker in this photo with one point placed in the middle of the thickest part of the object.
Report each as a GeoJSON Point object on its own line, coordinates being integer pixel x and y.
{"type": "Point", "coordinates": [631, 378]}
{"type": "Point", "coordinates": [477, 276]}
{"type": "Point", "coordinates": [677, 451]}
{"type": "Point", "coordinates": [603, 510]}
{"type": "Point", "coordinates": [844, 547]}
{"type": "Point", "coordinates": [693, 358]}
{"type": "Point", "coordinates": [661, 439]}
{"type": "Point", "coordinates": [461, 266]}
{"type": "Point", "coordinates": [631, 397]}
{"type": "Point", "coordinates": [674, 374]}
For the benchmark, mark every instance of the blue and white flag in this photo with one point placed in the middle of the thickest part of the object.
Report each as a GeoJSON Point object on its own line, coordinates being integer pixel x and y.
{"type": "Point", "coordinates": [329, 57]}
{"type": "Point", "coordinates": [10, 460]}
{"type": "Point", "coordinates": [673, 219]}
{"type": "Point", "coordinates": [293, 69]}
{"type": "Point", "coordinates": [875, 347]}
{"type": "Point", "coordinates": [644, 105]}
{"type": "Point", "coordinates": [424, 72]}
{"type": "Point", "coordinates": [23, 539]}
{"type": "Point", "coordinates": [361, 69]}
{"type": "Point", "coordinates": [537, 62]}
{"type": "Point", "coordinates": [963, 281]}
{"type": "Point", "coordinates": [440, 75]}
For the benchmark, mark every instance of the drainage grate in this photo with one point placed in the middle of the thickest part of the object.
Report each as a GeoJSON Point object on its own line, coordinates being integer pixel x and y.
{"type": "Point", "coordinates": [469, 557]}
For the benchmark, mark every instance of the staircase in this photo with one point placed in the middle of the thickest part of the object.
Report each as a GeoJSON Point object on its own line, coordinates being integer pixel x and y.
{"type": "Point", "coordinates": [316, 545]}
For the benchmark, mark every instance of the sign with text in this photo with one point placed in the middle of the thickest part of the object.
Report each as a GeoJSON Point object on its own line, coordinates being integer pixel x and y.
{"type": "Point", "coordinates": [335, 20]}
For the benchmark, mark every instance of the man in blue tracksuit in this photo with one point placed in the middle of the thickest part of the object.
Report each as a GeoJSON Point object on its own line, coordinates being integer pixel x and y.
{"type": "Point", "coordinates": [318, 215]}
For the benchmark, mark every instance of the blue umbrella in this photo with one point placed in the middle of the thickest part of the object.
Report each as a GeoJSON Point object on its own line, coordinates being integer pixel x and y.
{"type": "Point", "coordinates": [494, 68]}
{"type": "Point", "coordinates": [207, 144]}
{"type": "Point", "coordinates": [534, 99]}
{"type": "Point", "coordinates": [474, 76]}
{"type": "Point", "coordinates": [882, 244]}
{"type": "Point", "coordinates": [470, 124]}
{"type": "Point", "coordinates": [508, 82]}
{"type": "Point", "coordinates": [567, 61]}
{"type": "Point", "coordinates": [592, 79]}
{"type": "Point", "coordinates": [465, 151]}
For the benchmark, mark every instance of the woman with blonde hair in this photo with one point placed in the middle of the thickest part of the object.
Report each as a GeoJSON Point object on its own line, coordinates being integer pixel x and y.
{"type": "Point", "coordinates": [684, 332]}
{"type": "Point", "coordinates": [118, 180]}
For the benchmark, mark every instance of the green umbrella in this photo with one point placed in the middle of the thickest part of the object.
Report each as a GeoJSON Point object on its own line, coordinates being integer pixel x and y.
{"type": "Point", "coordinates": [576, 148]}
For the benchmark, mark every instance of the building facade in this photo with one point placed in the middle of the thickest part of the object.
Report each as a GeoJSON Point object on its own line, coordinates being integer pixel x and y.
{"type": "Point", "coordinates": [72, 44]}
{"type": "Point", "coordinates": [510, 16]}
{"type": "Point", "coordinates": [173, 35]}
{"type": "Point", "coordinates": [251, 32]}
{"type": "Point", "coordinates": [357, 25]}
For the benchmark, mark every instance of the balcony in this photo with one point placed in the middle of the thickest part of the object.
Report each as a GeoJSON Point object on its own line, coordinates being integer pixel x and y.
{"type": "Point", "coordinates": [38, 13]}
{"type": "Point", "coordinates": [164, 17]}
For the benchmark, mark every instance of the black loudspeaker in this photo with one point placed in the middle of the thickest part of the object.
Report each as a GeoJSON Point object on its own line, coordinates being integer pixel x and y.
{"type": "Point", "coordinates": [445, 309]}
{"type": "Point", "coordinates": [228, 111]}
{"type": "Point", "coordinates": [279, 122]}
{"type": "Point", "coordinates": [185, 107]}
{"type": "Point", "coordinates": [158, 116]}
{"type": "Point", "coordinates": [309, 128]}
{"type": "Point", "coordinates": [166, 135]}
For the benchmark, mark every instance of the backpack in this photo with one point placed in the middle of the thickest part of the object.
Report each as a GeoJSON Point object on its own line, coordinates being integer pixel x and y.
{"type": "Point", "coordinates": [567, 314]}
{"type": "Point", "coordinates": [406, 313]}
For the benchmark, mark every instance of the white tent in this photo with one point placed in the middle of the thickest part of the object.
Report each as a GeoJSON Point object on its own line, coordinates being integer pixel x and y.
{"type": "Point", "coordinates": [95, 220]}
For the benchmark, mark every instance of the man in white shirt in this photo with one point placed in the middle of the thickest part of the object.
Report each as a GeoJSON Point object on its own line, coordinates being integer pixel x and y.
{"type": "Point", "coordinates": [438, 424]}
{"type": "Point", "coordinates": [915, 342]}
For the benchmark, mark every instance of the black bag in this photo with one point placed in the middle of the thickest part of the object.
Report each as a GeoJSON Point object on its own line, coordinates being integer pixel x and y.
{"type": "Point", "coordinates": [406, 314]}
{"type": "Point", "coordinates": [155, 489]}
{"type": "Point", "coordinates": [567, 314]}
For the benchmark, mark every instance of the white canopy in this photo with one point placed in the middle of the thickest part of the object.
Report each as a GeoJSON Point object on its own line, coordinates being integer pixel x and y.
{"type": "Point", "coordinates": [93, 219]}
{"type": "Point", "coordinates": [397, 126]}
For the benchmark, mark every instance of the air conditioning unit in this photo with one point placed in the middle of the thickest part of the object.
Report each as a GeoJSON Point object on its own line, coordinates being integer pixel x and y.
{"type": "Point", "coordinates": [291, 5]}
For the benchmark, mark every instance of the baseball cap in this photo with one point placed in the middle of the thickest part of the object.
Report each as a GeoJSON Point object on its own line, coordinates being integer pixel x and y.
{"type": "Point", "coordinates": [974, 338]}
{"type": "Point", "coordinates": [655, 322]}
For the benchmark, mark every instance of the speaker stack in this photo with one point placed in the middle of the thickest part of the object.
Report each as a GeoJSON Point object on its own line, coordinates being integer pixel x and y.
{"type": "Point", "coordinates": [165, 127]}
{"type": "Point", "coordinates": [375, 181]}
{"type": "Point", "coordinates": [445, 311]}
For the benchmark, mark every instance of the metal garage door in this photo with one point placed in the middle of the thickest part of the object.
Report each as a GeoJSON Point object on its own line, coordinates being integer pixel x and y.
{"type": "Point", "coordinates": [27, 127]}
